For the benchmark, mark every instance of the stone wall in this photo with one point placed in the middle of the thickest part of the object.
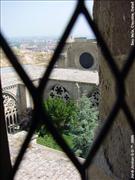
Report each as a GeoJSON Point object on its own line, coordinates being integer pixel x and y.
{"type": "Point", "coordinates": [74, 89]}
{"type": "Point", "coordinates": [113, 19]}
{"type": "Point", "coordinates": [72, 52]}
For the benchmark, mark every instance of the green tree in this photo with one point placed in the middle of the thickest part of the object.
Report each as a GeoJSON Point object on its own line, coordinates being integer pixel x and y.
{"type": "Point", "coordinates": [83, 129]}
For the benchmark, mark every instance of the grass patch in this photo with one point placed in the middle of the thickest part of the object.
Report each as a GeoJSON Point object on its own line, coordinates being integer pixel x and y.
{"type": "Point", "coordinates": [47, 140]}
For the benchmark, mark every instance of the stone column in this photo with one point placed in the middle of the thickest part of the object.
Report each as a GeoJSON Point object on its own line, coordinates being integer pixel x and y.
{"type": "Point", "coordinates": [21, 99]}
{"type": "Point", "coordinates": [114, 21]}
{"type": "Point", "coordinates": [29, 103]}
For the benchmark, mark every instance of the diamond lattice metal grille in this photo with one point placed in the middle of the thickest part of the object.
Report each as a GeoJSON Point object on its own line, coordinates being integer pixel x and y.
{"type": "Point", "coordinates": [37, 93]}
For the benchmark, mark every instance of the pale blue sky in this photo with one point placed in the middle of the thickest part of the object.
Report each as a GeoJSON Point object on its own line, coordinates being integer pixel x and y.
{"type": "Point", "coordinates": [41, 18]}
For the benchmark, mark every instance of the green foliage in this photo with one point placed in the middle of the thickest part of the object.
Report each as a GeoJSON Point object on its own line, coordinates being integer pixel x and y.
{"type": "Point", "coordinates": [84, 127]}
{"type": "Point", "coordinates": [61, 112]}
{"type": "Point", "coordinates": [47, 140]}
{"type": "Point", "coordinates": [77, 123]}
{"type": "Point", "coordinates": [42, 131]}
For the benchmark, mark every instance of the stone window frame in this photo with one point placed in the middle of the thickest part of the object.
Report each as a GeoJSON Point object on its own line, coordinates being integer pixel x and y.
{"type": "Point", "coordinates": [37, 93]}
{"type": "Point", "coordinates": [91, 59]}
{"type": "Point", "coordinates": [77, 61]}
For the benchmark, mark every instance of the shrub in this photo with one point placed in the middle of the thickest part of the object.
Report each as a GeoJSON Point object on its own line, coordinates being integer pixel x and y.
{"type": "Point", "coordinates": [76, 121]}
{"type": "Point", "coordinates": [83, 129]}
{"type": "Point", "coordinates": [61, 113]}
{"type": "Point", "coordinates": [25, 119]}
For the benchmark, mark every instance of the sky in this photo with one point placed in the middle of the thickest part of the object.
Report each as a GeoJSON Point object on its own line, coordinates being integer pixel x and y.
{"type": "Point", "coordinates": [21, 18]}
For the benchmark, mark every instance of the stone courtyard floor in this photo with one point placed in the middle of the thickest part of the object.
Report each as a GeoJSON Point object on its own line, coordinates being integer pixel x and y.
{"type": "Point", "coordinates": [41, 162]}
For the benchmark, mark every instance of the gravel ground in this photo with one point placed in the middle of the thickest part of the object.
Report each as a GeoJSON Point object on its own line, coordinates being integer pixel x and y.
{"type": "Point", "coordinates": [41, 162]}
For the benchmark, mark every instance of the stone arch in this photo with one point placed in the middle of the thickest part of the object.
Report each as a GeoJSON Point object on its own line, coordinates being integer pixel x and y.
{"type": "Point", "coordinates": [11, 112]}
{"type": "Point", "coordinates": [59, 91]}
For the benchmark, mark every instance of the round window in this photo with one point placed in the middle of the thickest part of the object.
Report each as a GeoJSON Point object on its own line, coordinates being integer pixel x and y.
{"type": "Point", "coordinates": [86, 60]}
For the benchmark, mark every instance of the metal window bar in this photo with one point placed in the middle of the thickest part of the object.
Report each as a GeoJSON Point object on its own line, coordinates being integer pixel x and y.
{"type": "Point", "coordinates": [37, 93]}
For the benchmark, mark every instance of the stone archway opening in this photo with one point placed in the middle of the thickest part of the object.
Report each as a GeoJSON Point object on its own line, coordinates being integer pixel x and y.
{"type": "Point", "coordinates": [94, 97]}
{"type": "Point", "coordinates": [59, 91]}
{"type": "Point", "coordinates": [11, 113]}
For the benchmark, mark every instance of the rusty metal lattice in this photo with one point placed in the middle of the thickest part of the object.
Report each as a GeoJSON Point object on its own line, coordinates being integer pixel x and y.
{"type": "Point", "coordinates": [37, 93]}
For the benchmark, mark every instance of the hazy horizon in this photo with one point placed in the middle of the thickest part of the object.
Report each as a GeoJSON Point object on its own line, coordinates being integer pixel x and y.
{"type": "Point", "coordinates": [27, 19]}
